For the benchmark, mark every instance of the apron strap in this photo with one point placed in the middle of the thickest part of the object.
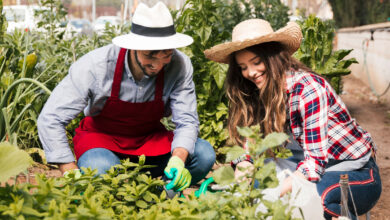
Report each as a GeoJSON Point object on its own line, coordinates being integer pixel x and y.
{"type": "Point", "coordinates": [116, 84]}
{"type": "Point", "coordinates": [159, 86]}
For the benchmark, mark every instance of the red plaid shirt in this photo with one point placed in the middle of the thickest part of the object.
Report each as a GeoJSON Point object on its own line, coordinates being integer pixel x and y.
{"type": "Point", "coordinates": [322, 125]}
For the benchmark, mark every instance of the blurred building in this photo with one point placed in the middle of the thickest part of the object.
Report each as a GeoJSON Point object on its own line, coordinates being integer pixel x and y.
{"type": "Point", "coordinates": [321, 8]}
{"type": "Point", "coordinates": [174, 4]}
{"type": "Point", "coordinates": [15, 2]}
{"type": "Point", "coordinates": [84, 8]}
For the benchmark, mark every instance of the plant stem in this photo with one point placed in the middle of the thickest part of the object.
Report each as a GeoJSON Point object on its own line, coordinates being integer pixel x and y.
{"type": "Point", "coordinates": [8, 92]}
{"type": "Point", "coordinates": [6, 120]}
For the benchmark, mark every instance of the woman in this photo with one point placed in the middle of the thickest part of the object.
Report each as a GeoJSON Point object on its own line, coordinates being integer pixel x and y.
{"type": "Point", "coordinates": [266, 86]}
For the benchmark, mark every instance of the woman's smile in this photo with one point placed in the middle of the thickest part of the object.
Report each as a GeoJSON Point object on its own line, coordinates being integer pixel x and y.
{"type": "Point", "coordinates": [252, 67]}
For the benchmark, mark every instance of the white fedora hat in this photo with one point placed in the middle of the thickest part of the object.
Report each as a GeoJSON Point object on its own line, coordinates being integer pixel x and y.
{"type": "Point", "coordinates": [152, 29]}
{"type": "Point", "coordinates": [256, 31]}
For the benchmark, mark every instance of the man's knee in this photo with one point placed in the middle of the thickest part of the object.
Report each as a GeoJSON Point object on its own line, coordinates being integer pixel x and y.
{"type": "Point", "coordinates": [98, 158]}
{"type": "Point", "coordinates": [205, 153]}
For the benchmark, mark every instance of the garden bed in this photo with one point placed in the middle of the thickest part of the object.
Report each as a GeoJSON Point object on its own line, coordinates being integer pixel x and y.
{"type": "Point", "coordinates": [370, 113]}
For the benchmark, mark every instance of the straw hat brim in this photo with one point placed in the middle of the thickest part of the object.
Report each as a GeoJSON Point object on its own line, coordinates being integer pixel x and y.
{"type": "Point", "coordinates": [290, 36]}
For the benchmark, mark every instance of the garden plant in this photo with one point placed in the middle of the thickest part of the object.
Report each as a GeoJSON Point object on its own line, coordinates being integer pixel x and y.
{"type": "Point", "coordinates": [125, 192]}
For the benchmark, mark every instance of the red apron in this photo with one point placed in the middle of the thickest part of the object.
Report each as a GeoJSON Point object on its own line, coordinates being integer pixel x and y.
{"type": "Point", "coordinates": [125, 127]}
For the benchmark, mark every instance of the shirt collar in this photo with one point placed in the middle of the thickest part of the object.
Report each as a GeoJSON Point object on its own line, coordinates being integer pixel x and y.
{"type": "Point", "coordinates": [289, 81]}
{"type": "Point", "coordinates": [127, 69]}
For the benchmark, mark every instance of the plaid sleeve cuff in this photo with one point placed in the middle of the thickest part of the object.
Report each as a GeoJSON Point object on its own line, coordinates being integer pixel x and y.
{"type": "Point", "coordinates": [244, 157]}
{"type": "Point", "coordinates": [310, 170]}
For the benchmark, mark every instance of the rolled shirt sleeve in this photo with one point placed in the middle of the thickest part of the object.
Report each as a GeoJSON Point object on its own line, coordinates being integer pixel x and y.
{"type": "Point", "coordinates": [184, 112]}
{"type": "Point", "coordinates": [67, 100]}
{"type": "Point", "coordinates": [313, 109]}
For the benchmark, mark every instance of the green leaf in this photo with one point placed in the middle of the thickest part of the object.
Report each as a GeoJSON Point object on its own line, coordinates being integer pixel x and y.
{"type": "Point", "coordinates": [340, 54]}
{"type": "Point", "coordinates": [270, 141]}
{"type": "Point", "coordinates": [12, 161]}
{"type": "Point", "coordinates": [245, 131]}
{"type": "Point", "coordinates": [148, 196]}
{"type": "Point", "coordinates": [255, 193]}
{"type": "Point", "coordinates": [31, 211]}
{"type": "Point", "coordinates": [141, 160]}
{"type": "Point", "coordinates": [206, 34]}
{"type": "Point", "coordinates": [224, 175]}
{"type": "Point", "coordinates": [129, 198]}
{"type": "Point", "coordinates": [219, 114]}
{"type": "Point", "coordinates": [219, 73]}
{"type": "Point", "coordinates": [127, 163]}
{"type": "Point", "coordinates": [265, 171]}
{"type": "Point", "coordinates": [3, 208]}
{"type": "Point", "coordinates": [348, 62]}
{"type": "Point", "coordinates": [141, 204]}
{"type": "Point", "coordinates": [222, 107]}
{"type": "Point", "coordinates": [275, 139]}
{"type": "Point", "coordinates": [234, 153]}
{"type": "Point", "coordinates": [163, 195]}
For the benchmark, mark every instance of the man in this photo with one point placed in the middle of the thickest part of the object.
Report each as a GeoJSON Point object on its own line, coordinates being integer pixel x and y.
{"type": "Point", "coordinates": [124, 90]}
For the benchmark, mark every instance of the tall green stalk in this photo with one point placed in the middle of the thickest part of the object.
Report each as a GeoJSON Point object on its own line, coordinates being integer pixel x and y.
{"type": "Point", "coordinates": [1, 22]}
{"type": "Point", "coordinates": [4, 99]}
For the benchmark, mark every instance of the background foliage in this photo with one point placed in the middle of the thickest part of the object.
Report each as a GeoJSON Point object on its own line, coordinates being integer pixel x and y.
{"type": "Point", "coordinates": [351, 13]}
{"type": "Point", "coordinates": [2, 22]}
{"type": "Point", "coordinates": [46, 57]}
{"type": "Point", "coordinates": [235, 11]}
{"type": "Point", "coordinates": [317, 52]}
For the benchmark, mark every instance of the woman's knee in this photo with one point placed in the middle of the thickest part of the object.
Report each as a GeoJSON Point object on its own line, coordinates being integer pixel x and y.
{"type": "Point", "coordinates": [98, 158]}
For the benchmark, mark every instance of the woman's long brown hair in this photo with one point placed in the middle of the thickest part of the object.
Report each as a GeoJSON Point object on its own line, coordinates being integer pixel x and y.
{"type": "Point", "coordinates": [267, 107]}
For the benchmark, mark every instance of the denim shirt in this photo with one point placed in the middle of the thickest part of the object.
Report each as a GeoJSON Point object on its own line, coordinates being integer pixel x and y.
{"type": "Point", "coordinates": [88, 85]}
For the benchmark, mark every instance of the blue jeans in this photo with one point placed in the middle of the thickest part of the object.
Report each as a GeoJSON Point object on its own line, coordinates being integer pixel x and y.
{"type": "Point", "coordinates": [365, 184]}
{"type": "Point", "coordinates": [199, 164]}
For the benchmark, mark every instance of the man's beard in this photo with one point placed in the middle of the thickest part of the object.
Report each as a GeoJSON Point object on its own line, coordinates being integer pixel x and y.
{"type": "Point", "coordinates": [141, 67]}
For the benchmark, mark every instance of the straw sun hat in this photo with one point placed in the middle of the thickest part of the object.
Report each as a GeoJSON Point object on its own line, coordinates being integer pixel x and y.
{"type": "Point", "coordinates": [152, 29]}
{"type": "Point", "coordinates": [256, 31]}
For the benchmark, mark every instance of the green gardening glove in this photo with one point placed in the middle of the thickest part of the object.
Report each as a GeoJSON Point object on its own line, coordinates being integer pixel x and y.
{"type": "Point", "coordinates": [181, 176]}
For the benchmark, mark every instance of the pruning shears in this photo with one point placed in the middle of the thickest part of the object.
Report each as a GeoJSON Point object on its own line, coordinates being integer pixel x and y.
{"type": "Point", "coordinates": [203, 189]}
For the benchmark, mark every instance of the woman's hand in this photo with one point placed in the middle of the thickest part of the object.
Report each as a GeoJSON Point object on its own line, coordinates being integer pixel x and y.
{"type": "Point", "coordinates": [243, 170]}
{"type": "Point", "coordinates": [287, 183]}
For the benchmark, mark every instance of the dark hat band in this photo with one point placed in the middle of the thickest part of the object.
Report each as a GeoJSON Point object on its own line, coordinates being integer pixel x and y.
{"type": "Point", "coordinates": [153, 32]}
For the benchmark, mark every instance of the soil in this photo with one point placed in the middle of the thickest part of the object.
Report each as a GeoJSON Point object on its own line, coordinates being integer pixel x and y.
{"type": "Point", "coordinates": [372, 114]}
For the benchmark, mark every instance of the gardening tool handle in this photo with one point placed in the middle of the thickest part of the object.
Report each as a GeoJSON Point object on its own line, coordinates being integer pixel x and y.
{"type": "Point", "coordinates": [203, 187]}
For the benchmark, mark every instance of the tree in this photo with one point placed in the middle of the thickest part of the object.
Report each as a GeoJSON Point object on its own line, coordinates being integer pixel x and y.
{"type": "Point", "coordinates": [350, 13]}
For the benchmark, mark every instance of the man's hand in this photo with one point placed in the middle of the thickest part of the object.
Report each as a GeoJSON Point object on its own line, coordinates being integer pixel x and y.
{"type": "Point", "coordinates": [67, 166]}
{"type": "Point", "coordinates": [68, 169]}
{"type": "Point", "coordinates": [181, 176]}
